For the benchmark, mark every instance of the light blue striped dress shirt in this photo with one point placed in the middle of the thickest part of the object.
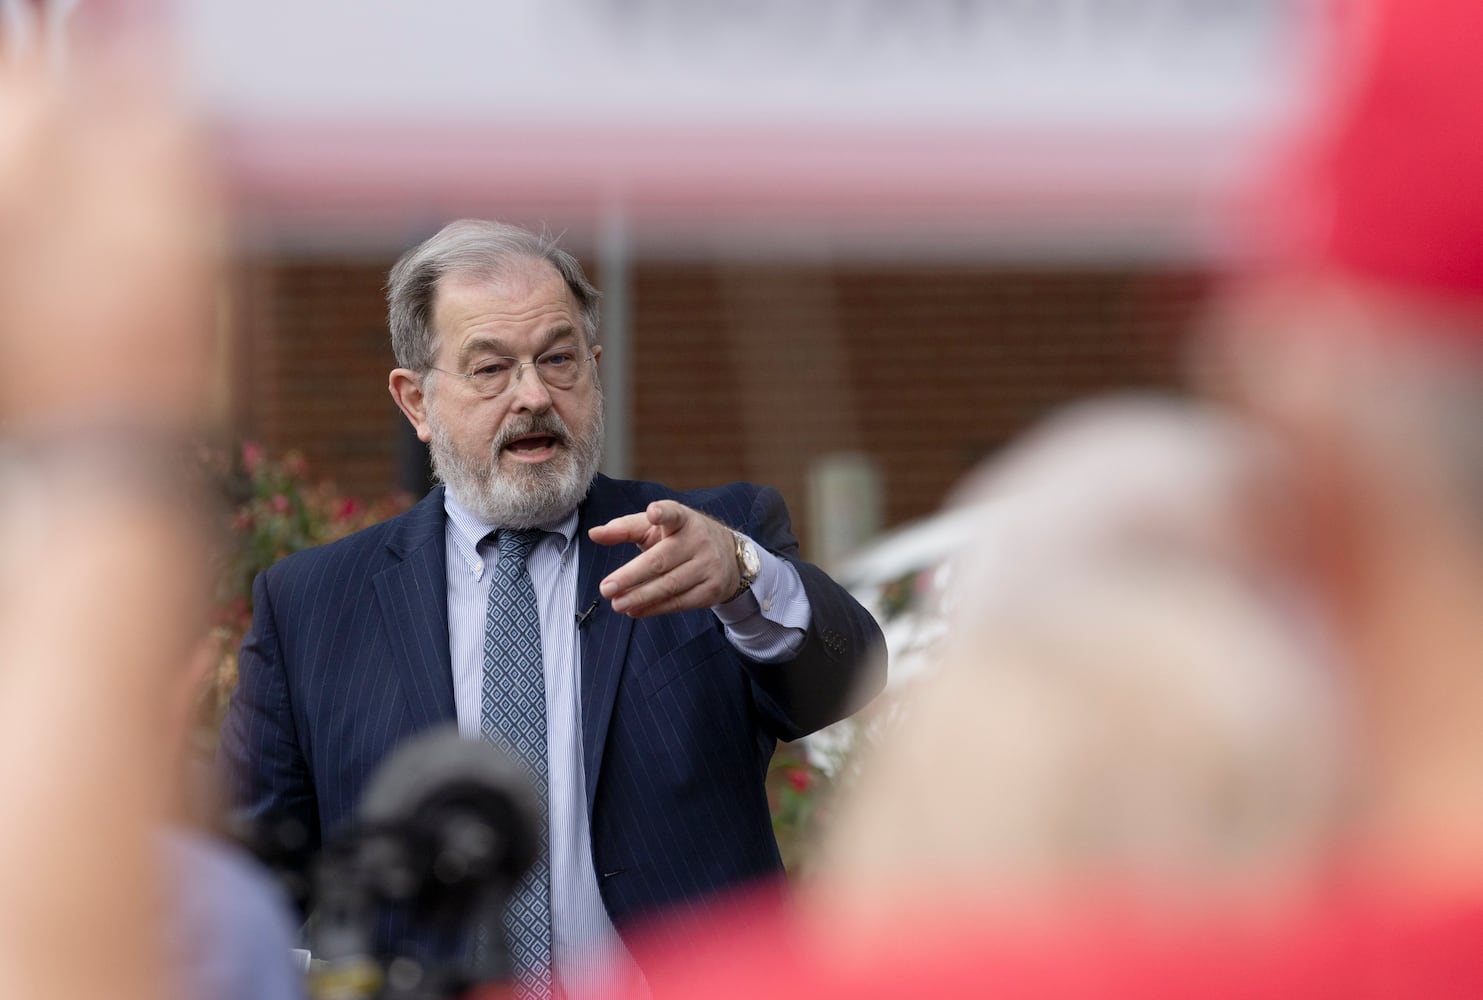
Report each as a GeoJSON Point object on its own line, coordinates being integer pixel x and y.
{"type": "Point", "coordinates": [768, 624]}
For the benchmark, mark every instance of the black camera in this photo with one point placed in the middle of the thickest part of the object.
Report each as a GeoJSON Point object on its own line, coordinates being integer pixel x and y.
{"type": "Point", "coordinates": [445, 830]}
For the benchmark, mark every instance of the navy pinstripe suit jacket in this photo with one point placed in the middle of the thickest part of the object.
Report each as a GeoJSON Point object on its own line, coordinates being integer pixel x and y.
{"type": "Point", "coordinates": [348, 656]}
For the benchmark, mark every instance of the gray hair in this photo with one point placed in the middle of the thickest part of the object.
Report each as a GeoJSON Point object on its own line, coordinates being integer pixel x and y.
{"type": "Point", "coordinates": [477, 247]}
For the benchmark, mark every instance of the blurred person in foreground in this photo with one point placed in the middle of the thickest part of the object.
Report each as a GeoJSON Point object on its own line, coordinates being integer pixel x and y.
{"type": "Point", "coordinates": [1130, 697]}
{"type": "Point", "coordinates": [640, 650]}
{"type": "Point", "coordinates": [1359, 341]}
{"type": "Point", "coordinates": [106, 273]}
{"type": "Point", "coordinates": [1359, 349]}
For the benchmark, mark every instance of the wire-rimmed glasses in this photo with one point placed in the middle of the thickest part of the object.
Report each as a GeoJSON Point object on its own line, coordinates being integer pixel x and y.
{"type": "Point", "coordinates": [558, 368]}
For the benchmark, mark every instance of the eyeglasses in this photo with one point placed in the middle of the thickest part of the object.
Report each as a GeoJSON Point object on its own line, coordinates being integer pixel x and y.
{"type": "Point", "coordinates": [558, 368]}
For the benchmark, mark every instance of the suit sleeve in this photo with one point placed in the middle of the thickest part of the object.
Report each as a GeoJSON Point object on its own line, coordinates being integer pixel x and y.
{"type": "Point", "coordinates": [260, 757]}
{"type": "Point", "coordinates": [842, 663]}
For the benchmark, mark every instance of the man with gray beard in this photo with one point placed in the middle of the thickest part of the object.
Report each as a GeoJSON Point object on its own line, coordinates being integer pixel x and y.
{"type": "Point", "coordinates": [640, 650]}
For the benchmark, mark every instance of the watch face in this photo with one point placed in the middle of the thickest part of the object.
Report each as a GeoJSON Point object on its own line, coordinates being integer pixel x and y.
{"type": "Point", "coordinates": [750, 560]}
{"type": "Point", "coordinates": [746, 554]}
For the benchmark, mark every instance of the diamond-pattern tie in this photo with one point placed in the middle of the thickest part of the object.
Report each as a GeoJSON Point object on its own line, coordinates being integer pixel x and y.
{"type": "Point", "coordinates": [514, 717]}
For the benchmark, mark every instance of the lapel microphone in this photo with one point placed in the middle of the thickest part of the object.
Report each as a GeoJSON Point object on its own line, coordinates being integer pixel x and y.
{"type": "Point", "coordinates": [582, 616]}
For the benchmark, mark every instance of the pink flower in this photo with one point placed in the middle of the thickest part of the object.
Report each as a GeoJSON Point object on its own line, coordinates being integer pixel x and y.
{"type": "Point", "coordinates": [295, 465]}
{"type": "Point", "coordinates": [800, 779]}
{"type": "Point", "coordinates": [243, 521]}
{"type": "Point", "coordinates": [252, 456]}
{"type": "Point", "coordinates": [280, 503]}
{"type": "Point", "coordinates": [348, 508]}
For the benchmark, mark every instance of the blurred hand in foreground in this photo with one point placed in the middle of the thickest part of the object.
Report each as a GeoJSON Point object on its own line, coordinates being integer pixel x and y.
{"type": "Point", "coordinates": [105, 285]}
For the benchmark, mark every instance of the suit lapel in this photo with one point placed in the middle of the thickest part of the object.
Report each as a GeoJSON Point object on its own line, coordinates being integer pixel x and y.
{"type": "Point", "coordinates": [604, 634]}
{"type": "Point", "coordinates": [413, 598]}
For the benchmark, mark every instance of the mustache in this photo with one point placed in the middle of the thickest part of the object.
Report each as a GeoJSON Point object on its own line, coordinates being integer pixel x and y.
{"type": "Point", "coordinates": [548, 424]}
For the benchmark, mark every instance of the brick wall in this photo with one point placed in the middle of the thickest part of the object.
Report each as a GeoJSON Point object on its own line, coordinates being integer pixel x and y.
{"type": "Point", "coordinates": [754, 371]}
{"type": "Point", "coordinates": [748, 370]}
{"type": "Point", "coordinates": [313, 356]}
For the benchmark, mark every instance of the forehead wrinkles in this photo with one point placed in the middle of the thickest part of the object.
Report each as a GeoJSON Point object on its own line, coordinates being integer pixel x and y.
{"type": "Point", "coordinates": [526, 300]}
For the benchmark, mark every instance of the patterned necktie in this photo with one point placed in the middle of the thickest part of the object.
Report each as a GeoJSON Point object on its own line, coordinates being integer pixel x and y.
{"type": "Point", "coordinates": [514, 718]}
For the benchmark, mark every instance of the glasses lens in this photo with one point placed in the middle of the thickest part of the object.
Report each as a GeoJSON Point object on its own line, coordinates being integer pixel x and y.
{"type": "Point", "coordinates": [561, 368]}
{"type": "Point", "coordinates": [493, 376]}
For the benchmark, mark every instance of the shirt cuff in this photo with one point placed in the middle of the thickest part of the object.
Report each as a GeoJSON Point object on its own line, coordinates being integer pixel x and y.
{"type": "Point", "coordinates": [769, 622]}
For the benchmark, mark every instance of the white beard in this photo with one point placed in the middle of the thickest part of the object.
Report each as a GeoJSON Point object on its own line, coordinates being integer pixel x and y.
{"type": "Point", "coordinates": [523, 496]}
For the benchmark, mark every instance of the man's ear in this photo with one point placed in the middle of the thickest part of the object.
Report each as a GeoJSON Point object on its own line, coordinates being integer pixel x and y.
{"type": "Point", "coordinates": [406, 389]}
{"type": "Point", "coordinates": [596, 353]}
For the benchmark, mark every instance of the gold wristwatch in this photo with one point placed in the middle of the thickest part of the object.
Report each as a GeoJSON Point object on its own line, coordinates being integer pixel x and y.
{"type": "Point", "coordinates": [748, 564]}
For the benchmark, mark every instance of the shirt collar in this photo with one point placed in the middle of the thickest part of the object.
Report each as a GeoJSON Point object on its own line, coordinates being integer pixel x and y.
{"type": "Point", "coordinates": [466, 530]}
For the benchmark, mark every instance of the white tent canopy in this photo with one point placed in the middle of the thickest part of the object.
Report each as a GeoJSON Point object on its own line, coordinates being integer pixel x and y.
{"type": "Point", "coordinates": [1018, 127]}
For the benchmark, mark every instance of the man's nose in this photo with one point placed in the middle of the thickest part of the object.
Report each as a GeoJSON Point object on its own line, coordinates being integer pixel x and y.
{"type": "Point", "coordinates": [529, 393]}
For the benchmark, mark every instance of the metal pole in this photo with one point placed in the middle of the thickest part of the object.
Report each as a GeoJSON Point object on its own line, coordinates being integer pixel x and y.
{"type": "Point", "coordinates": [614, 269]}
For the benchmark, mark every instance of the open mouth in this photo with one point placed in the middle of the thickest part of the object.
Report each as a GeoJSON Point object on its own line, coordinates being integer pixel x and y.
{"type": "Point", "coordinates": [532, 447]}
